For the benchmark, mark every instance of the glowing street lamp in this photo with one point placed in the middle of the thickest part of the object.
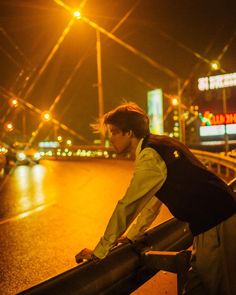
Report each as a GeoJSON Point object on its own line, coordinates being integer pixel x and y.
{"type": "Point", "coordinates": [46, 116]}
{"type": "Point", "coordinates": [215, 65]}
{"type": "Point", "coordinates": [77, 14]}
{"type": "Point", "coordinates": [8, 126]}
{"type": "Point", "coordinates": [175, 101]}
{"type": "Point", "coordinates": [13, 102]}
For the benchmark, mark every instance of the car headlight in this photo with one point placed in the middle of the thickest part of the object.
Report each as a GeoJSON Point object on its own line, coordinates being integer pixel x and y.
{"type": "Point", "coordinates": [21, 156]}
{"type": "Point", "coordinates": [37, 156]}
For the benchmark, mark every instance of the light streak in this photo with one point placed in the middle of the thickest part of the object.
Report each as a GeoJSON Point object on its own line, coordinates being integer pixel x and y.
{"type": "Point", "coordinates": [132, 49]}
{"type": "Point", "coordinates": [50, 56]}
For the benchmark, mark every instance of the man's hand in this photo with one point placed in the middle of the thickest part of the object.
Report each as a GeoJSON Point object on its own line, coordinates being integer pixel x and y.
{"type": "Point", "coordinates": [123, 240]}
{"type": "Point", "coordinates": [85, 254]}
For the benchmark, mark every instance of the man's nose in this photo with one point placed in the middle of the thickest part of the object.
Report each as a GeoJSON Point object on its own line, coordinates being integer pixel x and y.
{"type": "Point", "coordinates": [111, 139]}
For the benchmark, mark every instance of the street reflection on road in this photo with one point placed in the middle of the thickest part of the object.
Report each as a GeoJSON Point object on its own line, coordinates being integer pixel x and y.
{"type": "Point", "coordinates": [29, 185]}
{"type": "Point", "coordinates": [23, 192]}
{"type": "Point", "coordinates": [51, 211]}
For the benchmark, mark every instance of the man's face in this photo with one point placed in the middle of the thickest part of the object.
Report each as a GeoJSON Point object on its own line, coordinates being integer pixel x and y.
{"type": "Point", "coordinates": [120, 141]}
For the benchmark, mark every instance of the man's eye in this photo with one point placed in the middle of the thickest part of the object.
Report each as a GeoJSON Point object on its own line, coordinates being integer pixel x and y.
{"type": "Point", "coordinates": [115, 132]}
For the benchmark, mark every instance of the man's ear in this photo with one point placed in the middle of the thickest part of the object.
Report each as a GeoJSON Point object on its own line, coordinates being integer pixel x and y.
{"type": "Point", "coordinates": [130, 133]}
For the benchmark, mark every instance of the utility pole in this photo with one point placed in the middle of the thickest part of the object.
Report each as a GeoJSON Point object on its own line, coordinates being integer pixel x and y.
{"type": "Point", "coordinates": [181, 115]}
{"type": "Point", "coordinates": [226, 137]}
{"type": "Point", "coordinates": [99, 80]}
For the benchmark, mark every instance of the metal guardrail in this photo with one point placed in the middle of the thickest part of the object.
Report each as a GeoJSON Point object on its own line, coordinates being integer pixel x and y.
{"type": "Point", "coordinates": [131, 265]}
{"type": "Point", "coordinates": [232, 184]}
{"type": "Point", "coordinates": [222, 165]}
{"type": "Point", "coordinates": [123, 270]}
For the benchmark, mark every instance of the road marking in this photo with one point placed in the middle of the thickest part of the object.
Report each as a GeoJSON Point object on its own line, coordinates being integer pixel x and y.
{"type": "Point", "coordinates": [27, 213]}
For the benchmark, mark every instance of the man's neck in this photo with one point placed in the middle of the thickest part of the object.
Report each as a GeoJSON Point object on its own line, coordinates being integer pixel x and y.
{"type": "Point", "coordinates": [134, 144]}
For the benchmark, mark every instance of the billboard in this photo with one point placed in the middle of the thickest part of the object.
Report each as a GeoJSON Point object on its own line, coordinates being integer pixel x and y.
{"type": "Point", "coordinates": [217, 82]}
{"type": "Point", "coordinates": [217, 130]}
{"type": "Point", "coordinates": [217, 124]}
{"type": "Point", "coordinates": [155, 111]}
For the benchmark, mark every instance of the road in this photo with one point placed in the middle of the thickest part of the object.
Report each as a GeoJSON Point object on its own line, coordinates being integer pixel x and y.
{"type": "Point", "coordinates": [50, 211]}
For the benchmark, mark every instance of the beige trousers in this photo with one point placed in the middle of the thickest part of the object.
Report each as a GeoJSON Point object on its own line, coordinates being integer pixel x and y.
{"type": "Point", "coordinates": [213, 265]}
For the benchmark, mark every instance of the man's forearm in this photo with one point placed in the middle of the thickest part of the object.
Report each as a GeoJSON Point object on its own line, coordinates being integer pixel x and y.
{"type": "Point", "coordinates": [145, 219]}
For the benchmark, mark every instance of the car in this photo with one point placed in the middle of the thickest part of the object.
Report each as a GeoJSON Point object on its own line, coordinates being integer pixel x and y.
{"type": "Point", "coordinates": [5, 163]}
{"type": "Point", "coordinates": [25, 155]}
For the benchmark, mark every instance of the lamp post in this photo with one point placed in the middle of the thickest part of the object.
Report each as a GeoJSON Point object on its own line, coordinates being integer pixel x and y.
{"type": "Point", "coordinates": [217, 82]}
{"type": "Point", "coordinates": [99, 80]}
{"type": "Point", "coordinates": [226, 137]}
{"type": "Point", "coordinates": [215, 66]}
{"type": "Point", "coordinates": [125, 45]}
{"type": "Point", "coordinates": [99, 75]}
{"type": "Point", "coordinates": [181, 117]}
{"type": "Point", "coordinates": [77, 14]}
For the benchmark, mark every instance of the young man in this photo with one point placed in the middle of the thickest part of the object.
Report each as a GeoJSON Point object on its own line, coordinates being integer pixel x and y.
{"type": "Point", "coordinates": [167, 172]}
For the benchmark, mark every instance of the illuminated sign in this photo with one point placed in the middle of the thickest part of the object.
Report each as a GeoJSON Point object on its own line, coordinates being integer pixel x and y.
{"type": "Point", "coordinates": [155, 111]}
{"type": "Point", "coordinates": [217, 130]}
{"type": "Point", "coordinates": [216, 82]}
{"type": "Point", "coordinates": [210, 119]}
{"type": "Point", "coordinates": [49, 144]}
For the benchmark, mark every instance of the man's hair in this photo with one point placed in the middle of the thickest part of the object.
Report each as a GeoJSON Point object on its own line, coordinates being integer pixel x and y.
{"type": "Point", "coordinates": [129, 117]}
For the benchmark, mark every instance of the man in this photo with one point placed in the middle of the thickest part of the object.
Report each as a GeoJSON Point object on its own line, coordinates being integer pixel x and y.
{"type": "Point", "coordinates": [166, 171]}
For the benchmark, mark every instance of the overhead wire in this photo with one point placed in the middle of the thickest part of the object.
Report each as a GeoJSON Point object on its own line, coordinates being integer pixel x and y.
{"type": "Point", "coordinates": [15, 46]}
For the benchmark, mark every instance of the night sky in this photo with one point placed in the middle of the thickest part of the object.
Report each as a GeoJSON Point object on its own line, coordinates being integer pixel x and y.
{"type": "Point", "coordinates": [181, 36]}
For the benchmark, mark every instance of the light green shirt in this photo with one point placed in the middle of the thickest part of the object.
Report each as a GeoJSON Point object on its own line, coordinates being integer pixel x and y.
{"type": "Point", "coordinates": [150, 173]}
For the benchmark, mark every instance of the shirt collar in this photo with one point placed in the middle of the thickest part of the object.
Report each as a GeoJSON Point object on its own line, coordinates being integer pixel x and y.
{"type": "Point", "coordinates": [139, 146]}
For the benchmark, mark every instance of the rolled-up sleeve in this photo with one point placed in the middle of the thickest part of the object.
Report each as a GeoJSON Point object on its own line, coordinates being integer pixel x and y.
{"type": "Point", "coordinates": [149, 175]}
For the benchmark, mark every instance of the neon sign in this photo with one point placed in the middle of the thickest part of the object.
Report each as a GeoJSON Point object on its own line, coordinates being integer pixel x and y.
{"type": "Point", "coordinates": [49, 144]}
{"type": "Point", "coordinates": [209, 119]}
{"type": "Point", "coordinates": [218, 130]}
{"type": "Point", "coordinates": [216, 82]}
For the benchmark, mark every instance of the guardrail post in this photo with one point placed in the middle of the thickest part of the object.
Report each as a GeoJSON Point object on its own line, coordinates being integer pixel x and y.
{"type": "Point", "coordinates": [176, 262]}
{"type": "Point", "coordinates": [219, 164]}
{"type": "Point", "coordinates": [209, 165]}
{"type": "Point", "coordinates": [218, 169]}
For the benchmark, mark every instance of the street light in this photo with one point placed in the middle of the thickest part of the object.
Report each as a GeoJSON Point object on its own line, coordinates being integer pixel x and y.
{"type": "Point", "coordinates": [99, 74]}
{"type": "Point", "coordinates": [129, 47]}
{"type": "Point", "coordinates": [77, 14]}
{"type": "Point", "coordinates": [13, 102]}
{"type": "Point", "coordinates": [8, 126]}
{"type": "Point", "coordinates": [46, 116]}
{"type": "Point", "coordinates": [175, 101]}
{"type": "Point", "coordinates": [215, 65]}
{"type": "Point", "coordinates": [181, 116]}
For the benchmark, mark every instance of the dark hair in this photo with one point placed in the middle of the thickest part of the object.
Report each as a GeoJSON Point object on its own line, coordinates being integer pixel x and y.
{"type": "Point", "coordinates": [129, 116]}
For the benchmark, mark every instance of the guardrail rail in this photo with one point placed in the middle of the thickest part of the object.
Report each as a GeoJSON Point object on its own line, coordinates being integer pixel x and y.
{"type": "Point", "coordinates": [124, 270]}
{"type": "Point", "coordinates": [223, 166]}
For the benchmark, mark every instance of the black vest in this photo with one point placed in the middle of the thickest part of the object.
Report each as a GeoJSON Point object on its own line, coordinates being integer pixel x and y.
{"type": "Point", "coordinates": [191, 192]}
